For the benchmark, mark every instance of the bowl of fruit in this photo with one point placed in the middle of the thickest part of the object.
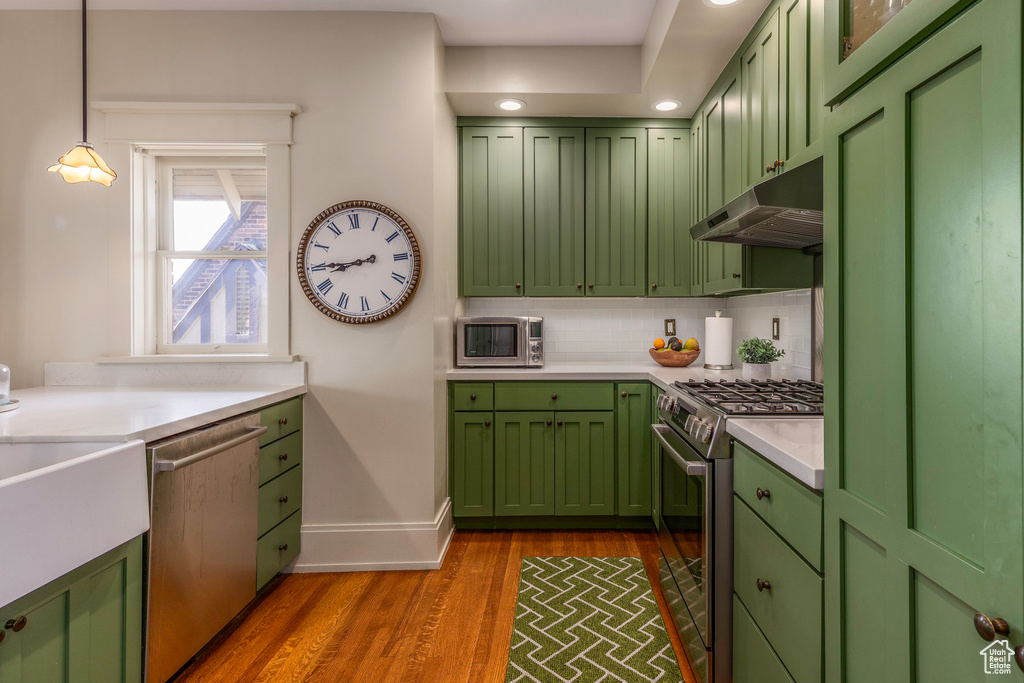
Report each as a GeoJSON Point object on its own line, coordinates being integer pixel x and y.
{"type": "Point", "coordinates": [674, 353]}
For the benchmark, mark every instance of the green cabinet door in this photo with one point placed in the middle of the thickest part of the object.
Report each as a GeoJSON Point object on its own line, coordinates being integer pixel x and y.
{"type": "Point", "coordinates": [923, 502]}
{"type": "Point", "coordinates": [633, 437]}
{"type": "Point", "coordinates": [585, 463]}
{"type": "Point", "coordinates": [616, 234]}
{"type": "Point", "coordinates": [656, 391]}
{"type": "Point", "coordinates": [524, 463]}
{"type": "Point", "coordinates": [697, 203]}
{"type": "Point", "coordinates": [473, 465]}
{"type": "Point", "coordinates": [84, 627]}
{"type": "Point", "coordinates": [555, 177]}
{"type": "Point", "coordinates": [491, 212]}
{"type": "Point", "coordinates": [668, 212]}
{"type": "Point", "coordinates": [801, 108]}
{"type": "Point", "coordinates": [760, 67]}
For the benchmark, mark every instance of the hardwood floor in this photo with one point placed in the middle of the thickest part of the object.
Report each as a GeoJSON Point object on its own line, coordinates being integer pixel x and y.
{"type": "Point", "coordinates": [451, 625]}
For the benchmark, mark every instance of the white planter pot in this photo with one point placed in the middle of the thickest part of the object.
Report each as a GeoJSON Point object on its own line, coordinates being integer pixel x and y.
{"type": "Point", "coordinates": [758, 371]}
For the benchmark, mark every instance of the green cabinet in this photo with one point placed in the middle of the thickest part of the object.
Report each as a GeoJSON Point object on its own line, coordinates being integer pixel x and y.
{"type": "Point", "coordinates": [698, 203]}
{"type": "Point", "coordinates": [280, 494]}
{"type": "Point", "coordinates": [85, 626]}
{"type": "Point", "coordinates": [524, 463]}
{"type": "Point", "coordinates": [669, 245]}
{"type": "Point", "coordinates": [656, 453]}
{"type": "Point", "coordinates": [555, 175]}
{"type": "Point", "coordinates": [633, 417]}
{"type": "Point", "coordinates": [616, 220]}
{"type": "Point", "coordinates": [585, 463]}
{"type": "Point", "coordinates": [491, 212]}
{"type": "Point", "coordinates": [760, 66]}
{"type": "Point", "coordinates": [473, 464]}
{"type": "Point", "coordinates": [923, 502]}
{"type": "Point", "coordinates": [801, 105]}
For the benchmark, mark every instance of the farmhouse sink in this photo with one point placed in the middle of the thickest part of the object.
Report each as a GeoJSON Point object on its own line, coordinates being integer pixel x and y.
{"type": "Point", "coordinates": [64, 504]}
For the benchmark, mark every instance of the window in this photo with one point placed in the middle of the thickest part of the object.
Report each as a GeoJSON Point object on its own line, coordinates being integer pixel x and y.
{"type": "Point", "coordinates": [211, 254]}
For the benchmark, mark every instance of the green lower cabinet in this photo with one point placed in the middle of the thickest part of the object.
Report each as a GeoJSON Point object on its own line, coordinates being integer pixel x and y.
{"type": "Point", "coordinates": [753, 660]}
{"type": "Point", "coordinates": [280, 495]}
{"type": "Point", "coordinates": [85, 627]}
{"type": "Point", "coordinates": [473, 465]}
{"type": "Point", "coordinates": [585, 463]}
{"type": "Point", "coordinates": [524, 463]}
{"type": "Point", "coordinates": [655, 461]}
{"type": "Point", "coordinates": [633, 417]}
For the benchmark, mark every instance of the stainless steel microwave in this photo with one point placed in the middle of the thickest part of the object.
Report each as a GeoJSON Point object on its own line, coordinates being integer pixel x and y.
{"type": "Point", "coordinates": [499, 342]}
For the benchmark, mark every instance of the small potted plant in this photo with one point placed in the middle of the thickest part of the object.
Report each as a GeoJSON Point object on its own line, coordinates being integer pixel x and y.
{"type": "Point", "coordinates": [757, 356]}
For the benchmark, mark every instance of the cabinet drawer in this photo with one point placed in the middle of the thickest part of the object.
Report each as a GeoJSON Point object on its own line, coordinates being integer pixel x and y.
{"type": "Point", "coordinates": [792, 509]}
{"type": "Point", "coordinates": [279, 498]}
{"type": "Point", "coordinates": [281, 420]}
{"type": "Point", "coordinates": [554, 396]}
{"type": "Point", "coordinates": [753, 659]}
{"type": "Point", "coordinates": [789, 612]}
{"type": "Point", "coordinates": [278, 548]}
{"type": "Point", "coordinates": [280, 456]}
{"type": "Point", "coordinates": [474, 396]}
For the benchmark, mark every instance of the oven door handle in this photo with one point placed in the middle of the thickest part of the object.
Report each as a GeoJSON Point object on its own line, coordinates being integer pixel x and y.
{"type": "Point", "coordinates": [697, 468]}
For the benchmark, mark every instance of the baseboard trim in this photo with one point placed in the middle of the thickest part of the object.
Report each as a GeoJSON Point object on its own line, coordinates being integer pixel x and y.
{"type": "Point", "coordinates": [376, 547]}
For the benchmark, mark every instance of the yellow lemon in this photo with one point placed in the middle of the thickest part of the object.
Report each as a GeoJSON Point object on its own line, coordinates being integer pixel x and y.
{"type": "Point", "coordinates": [691, 344]}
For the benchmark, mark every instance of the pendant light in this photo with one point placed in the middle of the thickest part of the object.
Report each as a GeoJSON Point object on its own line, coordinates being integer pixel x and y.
{"type": "Point", "coordinates": [82, 163]}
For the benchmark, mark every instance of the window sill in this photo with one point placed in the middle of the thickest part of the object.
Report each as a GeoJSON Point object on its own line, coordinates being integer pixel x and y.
{"type": "Point", "coordinates": [198, 358]}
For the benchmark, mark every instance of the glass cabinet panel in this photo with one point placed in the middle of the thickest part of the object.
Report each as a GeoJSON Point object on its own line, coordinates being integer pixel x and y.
{"type": "Point", "coordinates": [862, 18]}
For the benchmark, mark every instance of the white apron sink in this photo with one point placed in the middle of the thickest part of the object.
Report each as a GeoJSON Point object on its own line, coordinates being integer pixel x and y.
{"type": "Point", "coordinates": [63, 504]}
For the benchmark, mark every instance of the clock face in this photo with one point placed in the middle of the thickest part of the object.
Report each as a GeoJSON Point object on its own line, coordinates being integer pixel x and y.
{"type": "Point", "coordinates": [358, 262]}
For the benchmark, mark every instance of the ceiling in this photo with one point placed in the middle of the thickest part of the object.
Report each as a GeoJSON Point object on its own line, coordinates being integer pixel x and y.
{"type": "Point", "coordinates": [462, 22]}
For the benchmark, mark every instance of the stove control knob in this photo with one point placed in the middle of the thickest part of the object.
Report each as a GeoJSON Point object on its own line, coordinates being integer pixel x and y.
{"type": "Point", "coordinates": [691, 423]}
{"type": "Point", "coordinates": [703, 432]}
{"type": "Point", "coordinates": [666, 403]}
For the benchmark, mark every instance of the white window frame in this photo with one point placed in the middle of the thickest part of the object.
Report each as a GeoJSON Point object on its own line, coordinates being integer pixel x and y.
{"type": "Point", "coordinates": [137, 133]}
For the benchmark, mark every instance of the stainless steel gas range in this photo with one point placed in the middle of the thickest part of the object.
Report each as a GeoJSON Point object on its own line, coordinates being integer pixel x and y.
{"type": "Point", "coordinates": [695, 531]}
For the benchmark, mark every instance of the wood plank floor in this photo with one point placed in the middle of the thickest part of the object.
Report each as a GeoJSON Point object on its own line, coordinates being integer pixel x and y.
{"type": "Point", "coordinates": [451, 625]}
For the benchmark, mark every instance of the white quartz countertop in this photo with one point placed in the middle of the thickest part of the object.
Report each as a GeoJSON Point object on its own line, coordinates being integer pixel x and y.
{"type": "Point", "coordinates": [112, 413]}
{"type": "Point", "coordinates": [795, 444]}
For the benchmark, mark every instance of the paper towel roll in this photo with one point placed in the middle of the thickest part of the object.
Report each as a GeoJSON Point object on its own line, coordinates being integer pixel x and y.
{"type": "Point", "coordinates": [718, 342]}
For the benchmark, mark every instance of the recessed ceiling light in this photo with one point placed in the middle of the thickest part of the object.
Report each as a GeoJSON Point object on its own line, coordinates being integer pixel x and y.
{"type": "Point", "coordinates": [720, 3]}
{"type": "Point", "coordinates": [510, 104]}
{"type": "Point", "coordinates": [666, 105]}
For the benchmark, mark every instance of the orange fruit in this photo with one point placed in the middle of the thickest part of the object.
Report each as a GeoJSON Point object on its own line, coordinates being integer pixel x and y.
{"type": "Point", "coordinates": [659, 343]}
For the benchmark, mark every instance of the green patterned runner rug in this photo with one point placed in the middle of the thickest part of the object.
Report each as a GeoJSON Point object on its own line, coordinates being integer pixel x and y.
{"type": "Point", "coordinates": [588, 619]}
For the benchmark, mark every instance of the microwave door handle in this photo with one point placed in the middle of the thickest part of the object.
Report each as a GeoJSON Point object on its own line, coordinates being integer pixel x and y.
{"type": "Point", "coordinates": [697, 468]}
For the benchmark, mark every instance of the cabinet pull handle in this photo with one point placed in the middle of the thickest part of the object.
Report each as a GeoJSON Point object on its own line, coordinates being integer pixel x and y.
{"type": "Point", "coordinates": [560, 423]}
{"type": "Point", "coordinates": [283, 421]}
{"type": "Point", "coordinates": [988, 628]}
{"type": "Point", "coordinates": [579, 285]}
{"type": "Point", "coordinates": [623, 394]}
{"type": "Point", "coordinates": [16, 624]}
{"type": "Point", "coordinates": [763, 585]}
{"type": "Point", "coordinates": [736, 276]}
{"type": "Point", "coordinates": [283, 456]}
{"type": "Point", "coordinates": [1018, 655]}
{"type": "Point", "coordinates": [763, 493]}
{"type": "Point", "coordinates": [472, 397]}
{"type": "Point", "coordinates": [283, 547]}
{"type": "Point", "coordinates": [487, 423]}
{"type": "Point", "coordinates": [554, 397]}
{"type": "Point", "coordinates": [282, 500]}
{"type": "Point", "coordinates": [549, 423]}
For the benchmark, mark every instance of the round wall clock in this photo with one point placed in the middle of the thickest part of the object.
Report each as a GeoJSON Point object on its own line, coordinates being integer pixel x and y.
{"type": "Point", "coordinates": [358, 262]}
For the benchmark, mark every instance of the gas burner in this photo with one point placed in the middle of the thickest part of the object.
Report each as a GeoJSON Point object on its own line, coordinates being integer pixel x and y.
{"type": "Point", "coordinates": [768, 397]}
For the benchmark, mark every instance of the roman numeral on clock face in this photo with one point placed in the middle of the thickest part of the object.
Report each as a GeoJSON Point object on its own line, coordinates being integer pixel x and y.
{"type": "Point", "coordinates": [353, 220]}
{"type": "Point", "coordinates": [400, 279]}
{"type": "Point", "coordinates": [343, 301]}
{"type": "Point", "coordinates": [401, 257]}
{"type": "Point", "coordinates": [386, 297]}
{"type": "Point", "coordinates": [320, 246]}
{"type": "Point", "coordinates": [318, 267]}
{"type": "Point", "coordinates": [393, 235]}
{"type": "Point", "coordinates": [363, 303]}
{"type": "Point", "coordinates": [333, 228]}
{"type": "Point", "coordinates": [325, 286]}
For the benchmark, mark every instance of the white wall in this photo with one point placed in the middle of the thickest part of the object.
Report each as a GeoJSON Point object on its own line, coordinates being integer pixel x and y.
{"type": "Point", "coordinates": [374, 126]}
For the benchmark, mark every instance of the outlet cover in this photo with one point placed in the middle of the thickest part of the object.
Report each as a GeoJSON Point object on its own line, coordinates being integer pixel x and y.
{"type": "Point", "coordinates": [670, 327]}
{"type": "Point", "coordinates": [775, 329]}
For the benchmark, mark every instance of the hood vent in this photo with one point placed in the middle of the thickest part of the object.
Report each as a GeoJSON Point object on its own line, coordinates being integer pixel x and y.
{"type": "Point", "coordinates": [784, 211]}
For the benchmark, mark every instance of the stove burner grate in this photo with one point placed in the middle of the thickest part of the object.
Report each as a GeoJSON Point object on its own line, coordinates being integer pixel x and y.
{"type": "Point", "coordinates": [770, 397]}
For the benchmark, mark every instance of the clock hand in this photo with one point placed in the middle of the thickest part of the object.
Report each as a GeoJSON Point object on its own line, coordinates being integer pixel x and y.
{"type": "Point", "coordinates": [342, 267]}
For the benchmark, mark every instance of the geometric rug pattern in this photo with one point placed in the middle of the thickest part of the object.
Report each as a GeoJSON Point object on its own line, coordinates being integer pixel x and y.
{"type": "Point", "coordinates": [588, 619]}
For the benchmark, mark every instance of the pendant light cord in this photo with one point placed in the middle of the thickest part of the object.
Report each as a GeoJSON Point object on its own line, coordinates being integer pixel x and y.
{"type": "Point", "coordinates": [85, 116]}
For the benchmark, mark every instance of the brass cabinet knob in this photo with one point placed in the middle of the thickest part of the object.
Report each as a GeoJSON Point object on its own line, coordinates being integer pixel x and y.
{"type": "Point", "coordinates": [768, 168]}
{"type": "Point", "coordinates": [988, 628]}
{"type": "Point", "coordinates": [283, 456]}
{"type": "Point", "coordinates": [590, 286]}
{"type": "Point", "coordinates": [763, 493]}
{"type": "Point", "coordinates": [283, 547]}
{"type": "Point", "coordinates": [779, 163]}
{"type": "Point", "coordinates": [472, 397]}
{"type": "Point", "coordinates": [623, 394]}
{"type": "Point", "coordinates": [487, 423]}
{"type": "Point", "coordinates": [654, 286]}
{"type": "Point", "coordinates": [736, 276]}
{"type": "Point", "coordinates": [763, 585]}
{"type": "Point", "coordinates": [554, 397]}
{"type": "Point", "coordinates": [1018, 655]}
{"type": "Point", "coordinates": [560, 423]}
{"type": "Point", "coordinates": [282, 499]}
{"type": "Point", "coordinates": [549, 423]}
{"type": "Point", "coordinates": [283, 421]}
{"type": "Point", "coordinates": [16, 624]}
{"type": "Point", "coordinates": [579, 285]}
{"type": "Point", "coordinates": [519, 285]}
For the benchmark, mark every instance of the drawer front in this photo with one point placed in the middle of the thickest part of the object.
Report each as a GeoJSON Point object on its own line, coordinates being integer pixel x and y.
{"type": "Point", "coordinates": [281, 420]}
{"type": "Point", "coordinates": [554, 396]}
{"type": "Point", "coordinates": [789, 612]}
{"type": "Point", "coordinates": [277, 549]}
{"type": "Point", "coordinates": [475, 396]}
{"type": "Point", "coordinates": [789, 507]}
{"type": "Point", "coordinates": [279, 457]}
{"type": "Point", "coordinates": [279, 498]}
{"type": "Point", "coordinates": [753, 660]}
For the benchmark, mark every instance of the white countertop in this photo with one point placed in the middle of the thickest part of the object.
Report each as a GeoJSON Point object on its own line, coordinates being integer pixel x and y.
{"type": "Point", "coordinates": [796, 444]}
{"type": "Point", "coordinates": [110, 413]}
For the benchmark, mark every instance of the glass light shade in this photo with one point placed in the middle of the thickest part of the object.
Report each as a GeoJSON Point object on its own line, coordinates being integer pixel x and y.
{"type": "Point", "coordinates": [82, 164]}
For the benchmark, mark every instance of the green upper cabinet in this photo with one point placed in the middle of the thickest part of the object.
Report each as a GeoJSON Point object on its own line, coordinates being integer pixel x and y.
{"type": "Point", "coordinates": [585, 463]}
{"type": "Point", "coordinates": [524, 463]}
{"type": "Point", "coordinates": [923, 218]}
{"type": "Point", "coordinates": [555, 175]}
{"type": "Point", "coordinates": [761, 68]}
{"type": "Point", "coordinates": [616, 235]}
{"type": "Point", "coordinates": [669, 245]}
{"type": "Point", "coordinates": [698, 203]}
{"type": "Point", "coordinates": [633, 413]}
{"type": "Point", "coordinates": [491, 212]}
{"type": "Point", "coordinates": [84, 627]}
{"type": "Point", "coordinates": [862, 37]}
{"type": "Point", "coordinates": [802, 110]}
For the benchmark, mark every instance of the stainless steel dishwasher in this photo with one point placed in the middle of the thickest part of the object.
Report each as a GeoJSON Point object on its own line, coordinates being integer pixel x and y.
{"type": "Point", "coordinates": [202, 540]}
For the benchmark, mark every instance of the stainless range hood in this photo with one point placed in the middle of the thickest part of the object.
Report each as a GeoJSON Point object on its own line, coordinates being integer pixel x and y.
{"type": "Point", "coordinates": [784, 211]}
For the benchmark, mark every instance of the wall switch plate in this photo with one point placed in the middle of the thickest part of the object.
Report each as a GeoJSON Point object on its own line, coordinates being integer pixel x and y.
{"type": "Point", "coordinates": [670, 327]}
{"type": "Point", "coordinates": [775, 329]}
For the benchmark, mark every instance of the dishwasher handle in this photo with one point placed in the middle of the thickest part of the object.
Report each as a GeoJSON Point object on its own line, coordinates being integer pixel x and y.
{"type": "Point", "coordinates": [171, 465]}
{"type": "Point", "coordinates": [699, 468]}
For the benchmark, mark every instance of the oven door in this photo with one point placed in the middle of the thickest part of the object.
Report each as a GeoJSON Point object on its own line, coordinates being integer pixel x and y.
{"type": "Point", "coordinates": [686, 543]}
{"type": "Point", "coordinates": [491, 342]}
